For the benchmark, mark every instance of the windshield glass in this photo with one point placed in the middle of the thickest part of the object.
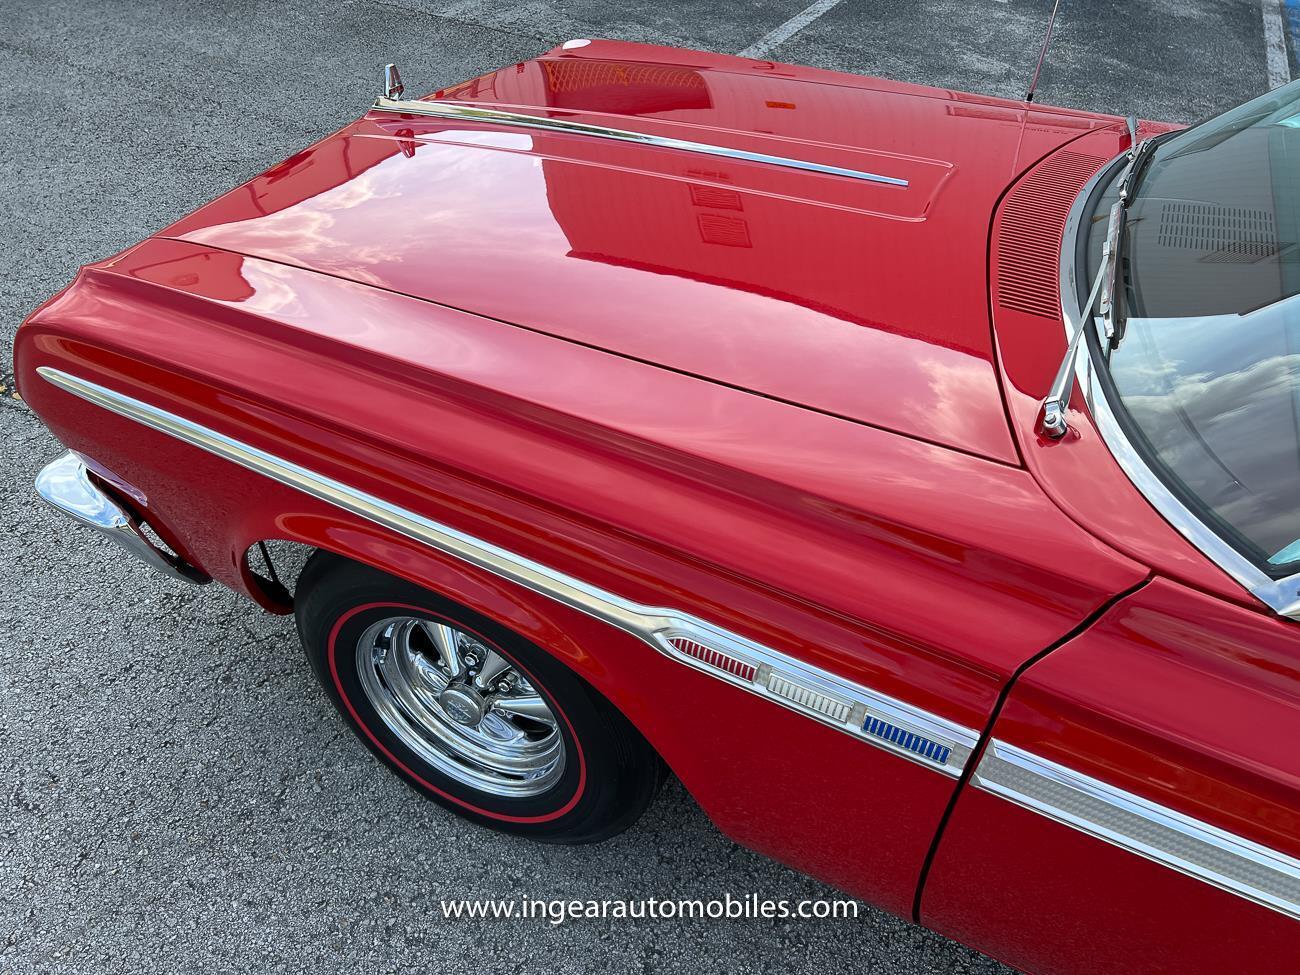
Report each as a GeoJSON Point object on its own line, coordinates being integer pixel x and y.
{"type": "Point", "coordinates": [1207, 362]}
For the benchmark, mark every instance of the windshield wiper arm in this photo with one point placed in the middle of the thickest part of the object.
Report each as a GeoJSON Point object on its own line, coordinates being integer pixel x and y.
{"type": "Point", "coordinates": [1053, 423]}
{"type": "Point", "coordinates": [1105, 286]}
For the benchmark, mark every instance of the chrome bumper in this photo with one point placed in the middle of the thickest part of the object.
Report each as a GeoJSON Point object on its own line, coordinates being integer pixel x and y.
{"type": "Point", "coordinates": [66, 484]}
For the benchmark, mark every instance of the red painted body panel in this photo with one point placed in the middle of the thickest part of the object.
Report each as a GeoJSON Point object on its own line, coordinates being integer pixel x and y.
{"type": "Point", "coordinates": [706, 732]}
{"type": "Point", "coordinates": [760, 277]}
{"type": "Point", "coordinates": [808, 533]}
{"type": "Point", "coordinates": [1182, 699]}
{"type": "Point", "coordinates": [1050, 900]}
{"type": "Point", "coordinates": [764, 397]}
{"type": "Point", "coordinates": [1079, 472]}
{"type": "Point", "coordinates": [785, 500]}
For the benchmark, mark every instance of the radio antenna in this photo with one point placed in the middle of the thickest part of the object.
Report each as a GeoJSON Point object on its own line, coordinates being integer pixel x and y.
{"type": "Point", "coordinates": [1042, 54]}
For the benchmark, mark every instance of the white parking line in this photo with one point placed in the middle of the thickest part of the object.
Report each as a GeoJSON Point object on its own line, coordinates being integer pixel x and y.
{"type": "Point", "coordinates": [779, 35]}
{"type": "Point", "coordinates": [1279, 69]}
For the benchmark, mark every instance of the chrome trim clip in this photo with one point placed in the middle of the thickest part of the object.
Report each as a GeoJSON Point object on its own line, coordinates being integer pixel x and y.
{"type": "Point", "coordinates": [848, 707]}
{"type": "Point", "coordinates": [65, 483]}
{"type": "Point", "coordinates": [1140, 826]}
{"type": "Point", "coordinates": [473, 113]}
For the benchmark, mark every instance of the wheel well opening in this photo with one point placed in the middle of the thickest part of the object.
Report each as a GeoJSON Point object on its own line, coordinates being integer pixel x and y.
{"type": "Point", "coordinates": [274, 583]}
{"type": "Point", "coordinates": [271, 568]}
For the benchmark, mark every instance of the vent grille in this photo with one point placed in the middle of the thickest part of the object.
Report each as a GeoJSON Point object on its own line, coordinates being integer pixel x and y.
{"type": "Point", "coordinates": [1223, 235]}
{"type": "Point", "coordinates": [577, 75]}
{"type": "Point", "coordinates": [1029, 236]}
{"type": "Point", "coordinates": [716, 228]}
{"type": "Point", "coordinates": [716, 197]}
{"type": "Point", "coordinates": [808, 698]}
{"type": "Point", "coordinates": [714, 658]}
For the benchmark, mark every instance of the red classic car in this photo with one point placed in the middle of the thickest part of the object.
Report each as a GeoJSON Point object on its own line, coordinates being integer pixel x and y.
{"type": "Point", "coordinates": [913, 473]}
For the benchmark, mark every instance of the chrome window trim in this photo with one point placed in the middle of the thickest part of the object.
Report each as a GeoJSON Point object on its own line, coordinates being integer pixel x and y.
{"type": "Point", "coordinates": [653, 625]}
{"type": "Point", "coordinates": [1280, 595]}
{"type": "Point", "coordinates": [1146, 828]}
{"type": "Point", "coordinates": [473, 113]}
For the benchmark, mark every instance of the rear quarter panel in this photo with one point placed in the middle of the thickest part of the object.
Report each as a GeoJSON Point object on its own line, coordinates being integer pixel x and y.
{"type": "Point", "coordinates": [1177, 697]}
{"type": "Point", "coordinates": [923, 573]}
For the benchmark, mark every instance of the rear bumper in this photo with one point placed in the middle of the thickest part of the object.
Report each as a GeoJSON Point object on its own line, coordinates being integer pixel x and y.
{"type": "Point", "coordinates": [66, 484]}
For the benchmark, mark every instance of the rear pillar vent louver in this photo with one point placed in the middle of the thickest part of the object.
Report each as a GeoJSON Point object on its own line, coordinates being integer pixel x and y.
{"type": "Point", "coordinates": [1029, 234]}
{"type": "Point", "coordinates": [714, 658]}
{"type": "Point", "coordinates": [819, 694]}
{"type": "Point", "coordinates": [808, 698]}
{"type": "Point", "coordinates": [912, 742]}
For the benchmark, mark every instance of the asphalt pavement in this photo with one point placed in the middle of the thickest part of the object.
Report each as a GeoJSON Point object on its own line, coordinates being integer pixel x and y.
{"type": "Point", "coordinates": [177, 795]}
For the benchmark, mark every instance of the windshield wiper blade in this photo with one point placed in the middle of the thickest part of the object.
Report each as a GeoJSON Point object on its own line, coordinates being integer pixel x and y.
{"type": "Point", "coordinates": [1136, 160]}
{"type": "Point", "coordinates": [1111, 255]}
{"type": "Point", "coordinates": [1110, 268]}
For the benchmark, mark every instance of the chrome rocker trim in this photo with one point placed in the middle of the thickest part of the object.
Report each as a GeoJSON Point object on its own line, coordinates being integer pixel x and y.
{"type": "Point", "coordinates": [460, 110]}
{"type": "Point", "coordinates": [65, 483]}
{"type": "Point", "coordinates": [1140, 826]}
{"type": "Point", "coordinates": [1280, 595]}
{"type": "Point", "coordinates": [861, 712]}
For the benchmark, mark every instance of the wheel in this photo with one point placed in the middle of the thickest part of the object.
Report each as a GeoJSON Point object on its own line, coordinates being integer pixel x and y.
{"type": "Point", "coordinates": [469, 713]}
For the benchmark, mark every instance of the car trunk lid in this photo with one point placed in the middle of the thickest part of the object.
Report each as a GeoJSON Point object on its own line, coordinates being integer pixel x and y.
{"type": "Point", "coordinates": [857, 298]}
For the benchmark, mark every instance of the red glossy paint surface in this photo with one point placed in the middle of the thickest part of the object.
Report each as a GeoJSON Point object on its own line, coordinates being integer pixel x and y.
{"type": "Point", "coordinates": [1182, 699]}
{"type": "Point", "coordinates": [757, 276]}
{"type": "Point", "coordinates": [1050, 900]}
{"type": "Point", "coordinates": [1079, 472]}
{"type": "Point", "coordinates": [764, 397]}
{"type": "Point", "coordinates": [388, 392]}
{"type": "Point", "coordinates": [706, 731]}
{"type": "Point", "coordinates": [814, 535]}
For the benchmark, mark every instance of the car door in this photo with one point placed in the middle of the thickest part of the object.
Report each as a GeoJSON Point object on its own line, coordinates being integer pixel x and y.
{"type": "Point", "coordinates": [1137, 808]}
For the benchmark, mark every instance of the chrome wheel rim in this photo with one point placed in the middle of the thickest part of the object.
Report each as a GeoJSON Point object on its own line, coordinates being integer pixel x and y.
{"type": "Point", "coordinates": [461, 706]}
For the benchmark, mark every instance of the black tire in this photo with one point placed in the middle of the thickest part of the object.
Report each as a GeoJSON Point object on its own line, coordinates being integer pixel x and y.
{"type": "Point", "coordinates": [604, 791]}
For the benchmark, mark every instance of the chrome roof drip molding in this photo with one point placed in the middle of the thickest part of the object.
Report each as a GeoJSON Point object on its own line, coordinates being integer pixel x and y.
{"type": "Point", "coordinates": [861, 712]}
{"type": "Point", "coordinates": [473, 113]}
{"type": "Point", "coordinates": [1280, 595]}
{"type": "Point", "coordinates": [1148, 829]}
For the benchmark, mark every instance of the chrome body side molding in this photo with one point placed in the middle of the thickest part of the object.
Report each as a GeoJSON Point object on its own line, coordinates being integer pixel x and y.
{"type": "Point", "coordinates": [1113, 815]}
{"type": "Point", "coordinates": [473, 113]}
{"type": "Point", "coordinates": [851, 708]}
{"type": "Point", "coordinates": [1140, 826]}
{"type": "Point", "coordinates": [1280, 595]}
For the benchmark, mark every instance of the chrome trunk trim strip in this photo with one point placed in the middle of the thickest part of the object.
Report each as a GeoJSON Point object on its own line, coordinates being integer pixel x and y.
{"type": "Point", "coordinates": [473, 113]}
{"type": "Point", "coordinates": [721, 654]}
{"type": "Point", "coordinates": [1140, 826]}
